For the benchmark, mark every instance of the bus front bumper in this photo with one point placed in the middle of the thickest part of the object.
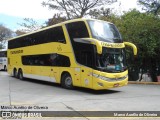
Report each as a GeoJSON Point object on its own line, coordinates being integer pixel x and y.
{"type": "Point", "coordinates": [101, 83]}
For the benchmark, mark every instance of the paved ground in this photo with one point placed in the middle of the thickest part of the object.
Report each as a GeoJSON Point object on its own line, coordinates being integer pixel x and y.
{"type": "Point", "coordinates": [134, 97]}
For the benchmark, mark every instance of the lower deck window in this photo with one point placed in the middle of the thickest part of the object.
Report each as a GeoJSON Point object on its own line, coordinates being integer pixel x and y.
{"type": "Point", "coordinates": [46, 60]}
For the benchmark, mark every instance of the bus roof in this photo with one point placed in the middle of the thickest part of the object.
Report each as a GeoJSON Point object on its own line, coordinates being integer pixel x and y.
{"type": "Point", "coordinates": [59, 24]}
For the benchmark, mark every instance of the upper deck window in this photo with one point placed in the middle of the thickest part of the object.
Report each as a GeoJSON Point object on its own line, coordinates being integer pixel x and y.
{"type": "Point", "coordinates": [77, 30]}
{"type": "Point", "coordinates": [54, 34]}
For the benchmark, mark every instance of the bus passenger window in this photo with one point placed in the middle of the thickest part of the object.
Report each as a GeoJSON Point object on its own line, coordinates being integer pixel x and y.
{"type": "Point", "coordinates": [52, 59]}
{"type": "Point", "coordinates": [77, 30]}
{"type": "Point", "coordinates": [63, 61]}
{"type": "Point", "coordinates": [46, 60]}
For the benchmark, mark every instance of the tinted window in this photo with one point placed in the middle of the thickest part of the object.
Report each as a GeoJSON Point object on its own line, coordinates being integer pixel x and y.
{"type": "Point", "coordinates": [86, 58]}
{"type": "Point", "coordinates": [3, 53]}
{"type": "Point", "coordinates": [85, 55]}
{"type": "Point", "coordinates": [83, 52]}
{"type": "Point", "coordinates": [51, 35]}
{"type": "Point", "coordinates": [63, 61]}
{"type": "Point", "coordinates": [77, 30]}
{"type": "Point", "coordinates": [46, 60]}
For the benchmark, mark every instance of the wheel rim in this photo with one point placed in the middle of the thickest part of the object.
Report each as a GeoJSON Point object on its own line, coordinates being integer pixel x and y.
{"type": "Point", "coordinates": [68, 81]}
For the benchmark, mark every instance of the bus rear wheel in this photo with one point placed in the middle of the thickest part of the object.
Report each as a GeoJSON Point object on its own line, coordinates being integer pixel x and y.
{"type": "Point", "coordinates": [15, 72]}
{"type": "Point", "coordinates": [5, 68]}
{"type": "Point", "coordinates": [66, 81]}
{"type": "Point", "coordinates": [20, 74]}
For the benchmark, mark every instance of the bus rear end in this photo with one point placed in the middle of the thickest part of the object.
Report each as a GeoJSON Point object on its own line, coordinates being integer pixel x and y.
{"type": "Point", "coordinates": [3, 60]}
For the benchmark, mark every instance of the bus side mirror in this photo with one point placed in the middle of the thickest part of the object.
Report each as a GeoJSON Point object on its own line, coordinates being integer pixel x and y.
{"type": "Point", "coordinates": [133, 46]}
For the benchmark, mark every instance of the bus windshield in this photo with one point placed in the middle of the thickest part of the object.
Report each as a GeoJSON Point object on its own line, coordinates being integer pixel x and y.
{"type": "Point", "coordinates": [111, 60]}
{"type": "Point", "coordinates": [104, 31]}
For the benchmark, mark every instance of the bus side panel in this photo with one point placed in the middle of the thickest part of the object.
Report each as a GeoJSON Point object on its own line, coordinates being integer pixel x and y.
{"type": "Point", "coordinates": [14, 61]}
{"type": "Point", "coordinates": [86, 77]}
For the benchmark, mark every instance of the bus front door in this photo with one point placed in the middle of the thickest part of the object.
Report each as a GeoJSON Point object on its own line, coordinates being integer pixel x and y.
{"type": "Point", "coordinates": [86, 77]}
{"type": "Point", "coordinates": [86, 69]}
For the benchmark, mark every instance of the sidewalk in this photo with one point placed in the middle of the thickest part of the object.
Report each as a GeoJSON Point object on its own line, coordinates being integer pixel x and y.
{"type": "Point", "coordinates": [147, 83]}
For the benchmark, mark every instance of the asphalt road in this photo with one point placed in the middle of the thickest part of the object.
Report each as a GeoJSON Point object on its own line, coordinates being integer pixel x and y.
{"type": "Point", "coordinates": [29, 92]}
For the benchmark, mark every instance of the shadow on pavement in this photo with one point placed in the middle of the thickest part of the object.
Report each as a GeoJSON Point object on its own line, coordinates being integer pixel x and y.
{"type": "Point", "coordinates": [79, 89]}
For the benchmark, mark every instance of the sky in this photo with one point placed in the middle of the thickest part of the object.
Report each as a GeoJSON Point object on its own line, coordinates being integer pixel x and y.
{"type": "Point", "coordinates": [13, 12]}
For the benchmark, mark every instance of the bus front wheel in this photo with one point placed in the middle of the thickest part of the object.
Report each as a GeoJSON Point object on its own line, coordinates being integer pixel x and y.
{"type": "Point", "coordinates": [66, 81]}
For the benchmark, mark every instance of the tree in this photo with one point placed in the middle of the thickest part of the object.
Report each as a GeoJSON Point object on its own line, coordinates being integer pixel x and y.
{"type": "Point", "coordinates": [102, 12]}
{"type": "Point", "coordinates": [143, 30]}
{"type": "Point", "coordinates": [5, 33]}
{"type": "Point", "coordinates": [57, 18]}
{"type": "Point", "coordinates": [75, 8]}
{"type": "Point", "coordinates": [151, 6]}
{"type": "Point", "coordinates": [19, 32]}
{"type": "Point", "coordinates": [29, 25]}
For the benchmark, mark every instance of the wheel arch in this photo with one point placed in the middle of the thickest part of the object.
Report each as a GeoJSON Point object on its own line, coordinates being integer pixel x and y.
{"type": "Point", "coordinates": [19, 69]}
{"type": "Point", "coordinates": [63, 79]}
{"type": "Point", "coordinates": [63, 73]}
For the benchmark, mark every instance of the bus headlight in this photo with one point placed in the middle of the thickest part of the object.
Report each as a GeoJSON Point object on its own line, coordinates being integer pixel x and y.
{"type": "Point", "coordinates": [109, 79]}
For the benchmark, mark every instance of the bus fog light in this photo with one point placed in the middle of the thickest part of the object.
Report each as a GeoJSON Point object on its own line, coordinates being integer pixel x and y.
{"type": "Point", "coordinates": [100, 84]}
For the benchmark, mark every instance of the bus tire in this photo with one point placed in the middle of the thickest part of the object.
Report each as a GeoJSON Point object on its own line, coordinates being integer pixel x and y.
{"type": "Point", "coordinates": [66, 81]}
{"type": "Point", "coordinates": [20, 74]}
{"type": "Point", "coordinates": [5, 68]}
{"type": "Point", "coordinates": [15, 73]}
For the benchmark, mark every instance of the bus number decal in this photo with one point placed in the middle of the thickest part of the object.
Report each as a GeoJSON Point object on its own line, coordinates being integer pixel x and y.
{"type": "Point", "coordinates": [59, 48]}
{"type": "Point", "coordinates": [17, 52]}
{"type": "Point", "coordinates": [117, 45]}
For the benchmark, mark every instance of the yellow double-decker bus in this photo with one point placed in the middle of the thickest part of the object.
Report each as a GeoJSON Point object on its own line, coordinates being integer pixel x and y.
{"type": "Point", "coordinates": [82, 52]}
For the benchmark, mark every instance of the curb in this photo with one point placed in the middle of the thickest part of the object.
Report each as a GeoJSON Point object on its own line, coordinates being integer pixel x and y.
{"type": "Point", "coordinates": [145, 83]}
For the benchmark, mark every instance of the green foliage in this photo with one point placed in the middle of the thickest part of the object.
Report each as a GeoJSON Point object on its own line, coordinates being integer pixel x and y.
{"type": "Point", "coordinates": [140, 28]}
{"type": "Point", "coordinates": [102, 12]}
{"type": "Point", "coordinates": [143, 30]}
{"type": "Point", "coordinates": [57, 18]}
{"type": "Point", "coordinates": [151, 6]}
